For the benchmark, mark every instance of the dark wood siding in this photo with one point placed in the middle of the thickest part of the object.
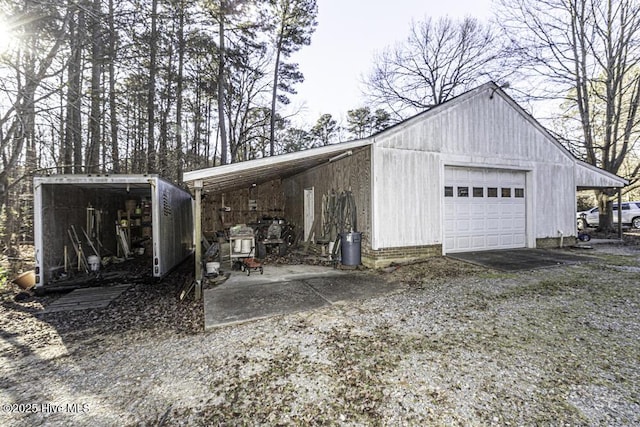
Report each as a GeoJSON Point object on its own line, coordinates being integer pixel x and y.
{"type": "Point", "coordinates": [350, 173]}
{"type": "Point", "coordinates": [269, 199]}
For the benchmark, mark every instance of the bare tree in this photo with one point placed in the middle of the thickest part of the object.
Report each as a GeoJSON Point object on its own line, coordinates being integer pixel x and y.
{"type": "Point", "coordinates": [586, 52]}
{"type": "Point", "coordinates": [438, 60]}
{"type": "Point", "coordinates": [72, 139]}
{"type": "Point", "coordinates": [113, 118]}
{"type": "Point", "coordinates": [95, 115]}
{"type": "Point", "coordinates": [153, 71]}
{"type": "Point", "coordinates": [295, 22]}
{"type": "Point", "coordinates": [234, 33]}
{"type": "Point", "coordinates": [180, 86]}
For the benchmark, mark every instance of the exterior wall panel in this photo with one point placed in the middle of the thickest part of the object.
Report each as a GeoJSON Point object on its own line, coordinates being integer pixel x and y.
{"type": "Point", "coordinates": [589, 177]}
{"type": "Point", "coordinates": [407, 198]}
{"type": "Point", "coordinates": [352, 173]}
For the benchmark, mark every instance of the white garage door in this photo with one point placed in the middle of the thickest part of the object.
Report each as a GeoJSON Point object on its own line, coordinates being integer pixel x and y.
{"type": "Point", "coordinates": [483, 209]}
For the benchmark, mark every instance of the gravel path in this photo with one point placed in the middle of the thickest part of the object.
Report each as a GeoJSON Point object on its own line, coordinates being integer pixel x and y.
{"type": "Point", "coordinates": [458, 345]}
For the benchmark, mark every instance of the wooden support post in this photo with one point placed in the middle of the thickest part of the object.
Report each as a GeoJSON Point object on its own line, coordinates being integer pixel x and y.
{"type": "Point", "coordinates": [198, 238]}
{"type": "Point", "coordinates": [620, 213]}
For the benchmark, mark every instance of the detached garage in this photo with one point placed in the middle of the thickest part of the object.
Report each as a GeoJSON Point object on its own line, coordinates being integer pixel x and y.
{"type": "Point", "coordinates": [475, 173]}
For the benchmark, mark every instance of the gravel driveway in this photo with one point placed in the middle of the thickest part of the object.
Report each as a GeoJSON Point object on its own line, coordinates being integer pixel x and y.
{"type": "Point", "coordinates": [457, 345]}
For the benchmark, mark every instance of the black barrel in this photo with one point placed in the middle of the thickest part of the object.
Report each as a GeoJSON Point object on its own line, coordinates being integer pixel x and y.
{"type": "Point", "coordinates": [350, 246]}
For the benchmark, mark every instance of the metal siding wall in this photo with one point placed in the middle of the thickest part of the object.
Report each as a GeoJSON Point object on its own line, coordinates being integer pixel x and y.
{"type": "Point", "coordinates": [477, 132]}
{"type": "Point", "coordinates": [38, 240]}
{"type": "Point", "coordinates": [407, 198]}
{"type": "Point", "coordinates": [555, 208]}
{"type": "Point", "coordinates": [173, 226]}
{"type": "Point", "coordinates": [586, 177]}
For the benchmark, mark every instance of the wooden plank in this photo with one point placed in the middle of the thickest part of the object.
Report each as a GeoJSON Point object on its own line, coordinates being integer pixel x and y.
{"type": "Point", "coordinates": [82, 299]}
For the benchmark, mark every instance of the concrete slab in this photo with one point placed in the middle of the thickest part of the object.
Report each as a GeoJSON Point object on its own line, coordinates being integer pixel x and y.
{"type": "Point", "coordinates": [520, 259]}
{"type": "Point", "coordinates": [229, 305]}
{"type": "Point", "coordinates": [351, 287]}
{"type": "Point", "coordinates": [284, 290]}
{"type": "Point", "coordinates": [279, 273]}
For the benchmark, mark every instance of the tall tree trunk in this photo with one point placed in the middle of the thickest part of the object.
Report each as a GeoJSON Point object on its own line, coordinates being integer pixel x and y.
{"type": "Point", "coordinates": [208, 133]}
{"type": "Point", "coordinates": [76, 100]}
{"type": "Point", "coordinates": [164, 122]}
{"type": "Point", "coordinates": [274, 98]}
{"type": "Point", "coordinates": [179, 89]}
{"type": "Point", "coordinates": [197, 123]}
{"type": "Point", "coordinates": [93, 151]}
{"type": "Point", "coordinates": [605, 210]}
{"type": "Point", "coordinates": [73, 92]}
{"type": "Point", "coordinates": [113, 111]}
{"type": "Point", "coordinates": [221, 89]}
{"type": "Point", "coordinates": [153, 51]}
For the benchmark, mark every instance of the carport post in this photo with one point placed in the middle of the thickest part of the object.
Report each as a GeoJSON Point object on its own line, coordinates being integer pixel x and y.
{"type": "Point", "coordinates": [198, 237]}
{"type": "Point", "coordinates": [619, 213]}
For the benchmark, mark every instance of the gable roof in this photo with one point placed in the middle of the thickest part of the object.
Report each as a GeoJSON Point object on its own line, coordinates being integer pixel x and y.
{"type": "Point", "coordinates": [244, 174]}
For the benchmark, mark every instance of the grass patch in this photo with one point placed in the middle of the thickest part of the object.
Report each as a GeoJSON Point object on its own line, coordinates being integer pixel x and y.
{"type": "Point", "coordinates": [618, 260]}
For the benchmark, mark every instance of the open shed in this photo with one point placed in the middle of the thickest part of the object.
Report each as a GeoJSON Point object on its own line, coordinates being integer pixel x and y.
{"type": "Point", "coordinates": [78, 216]}
{"type": "Point", "coordinates": [475, 173]}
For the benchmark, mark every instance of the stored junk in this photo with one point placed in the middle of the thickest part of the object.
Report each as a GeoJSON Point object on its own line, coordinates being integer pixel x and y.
{"type": "Point", "coordinates": [80, 220]}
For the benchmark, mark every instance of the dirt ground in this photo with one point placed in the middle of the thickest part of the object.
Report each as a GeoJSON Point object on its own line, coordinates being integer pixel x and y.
{"type": "Point", "coordinates": [458, 345]}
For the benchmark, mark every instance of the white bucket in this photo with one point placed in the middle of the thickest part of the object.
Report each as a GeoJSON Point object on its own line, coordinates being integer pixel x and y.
{"type": "Point", "coordinates": [213, 267]}
{"type": "Point", "coordinates": [246, 246]}
{"type": "Point", "coordinates": [94, 262]}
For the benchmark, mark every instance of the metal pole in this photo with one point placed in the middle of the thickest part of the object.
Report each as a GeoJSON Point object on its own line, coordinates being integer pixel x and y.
{"type": "Point", "coordinates": [198, 238]}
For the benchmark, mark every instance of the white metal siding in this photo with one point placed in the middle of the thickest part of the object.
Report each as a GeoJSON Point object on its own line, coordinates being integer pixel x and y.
{"type": "Point", "coordinates": [474, 131]}
{"type": "Point", "coordinates": [589, 177]}
{"type": "Point", "coordinates": [479, 221]}
{"type": "Point", "coordinates": [481, 130]}
{"type": "Point", "coordinates": [406, 198]}
{"type": "Point", "coordinates": [172, 226]}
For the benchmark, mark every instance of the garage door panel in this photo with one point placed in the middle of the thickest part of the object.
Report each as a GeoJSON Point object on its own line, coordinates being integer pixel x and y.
{"type": "Point", "coordinates": [463, 225]}
{"type": "Point", "coordinates": [478, 223]}
{"type": "Point", "coordinates": [477, 211]}
{"type": "Point", "coordinates": [491, 218]}
{"type": "Point", "coordinates": [463, 243]}
{"type": "Point", "coordinates": [506, 239]}
{"type": "Point", "coordinates": [492, 240]}
{"type": "Point", "coordinates": [490, 226]}
{"type": "Point", "coordinates": [479, 241]}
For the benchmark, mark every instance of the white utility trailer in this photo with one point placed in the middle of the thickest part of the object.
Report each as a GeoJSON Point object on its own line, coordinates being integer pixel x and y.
{"type": "Point", "coordinates": [117, 215]}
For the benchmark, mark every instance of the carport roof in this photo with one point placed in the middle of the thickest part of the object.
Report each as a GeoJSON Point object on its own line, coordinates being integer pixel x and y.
{"type": "Point", "coordinates": [244, 174]}
{"type": "Point", "coordinates": [592, 177]}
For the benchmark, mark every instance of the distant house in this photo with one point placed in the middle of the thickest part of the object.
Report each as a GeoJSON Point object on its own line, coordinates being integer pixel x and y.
{"type": "Point", "coordinates": [474, 173]}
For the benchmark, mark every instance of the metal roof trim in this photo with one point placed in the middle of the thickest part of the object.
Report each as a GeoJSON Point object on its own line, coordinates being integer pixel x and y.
{"type": "Point", "coordinates": [275, 162]}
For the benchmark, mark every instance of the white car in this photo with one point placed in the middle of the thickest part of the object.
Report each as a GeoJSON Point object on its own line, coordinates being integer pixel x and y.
{"type": "Point", "coordinates": [630, 216]}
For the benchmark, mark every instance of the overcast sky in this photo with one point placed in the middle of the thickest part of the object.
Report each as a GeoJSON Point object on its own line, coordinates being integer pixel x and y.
{"type": "Point", "coordinates": [348, 34]}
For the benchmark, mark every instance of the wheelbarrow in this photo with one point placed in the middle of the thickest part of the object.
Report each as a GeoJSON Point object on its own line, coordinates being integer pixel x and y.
{"type": "Point", "coordinates": [251, 263]}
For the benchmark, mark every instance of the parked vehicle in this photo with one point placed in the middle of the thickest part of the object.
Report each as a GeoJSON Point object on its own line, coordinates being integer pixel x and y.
{"type": "Point", "coordinates": [630, 216]}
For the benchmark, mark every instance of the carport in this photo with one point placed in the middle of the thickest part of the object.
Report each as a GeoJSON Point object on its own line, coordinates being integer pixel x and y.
{"type": "Point", "coordinates": [588, 177]}
{"type": "Point", "coordinates": [245, 174]}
